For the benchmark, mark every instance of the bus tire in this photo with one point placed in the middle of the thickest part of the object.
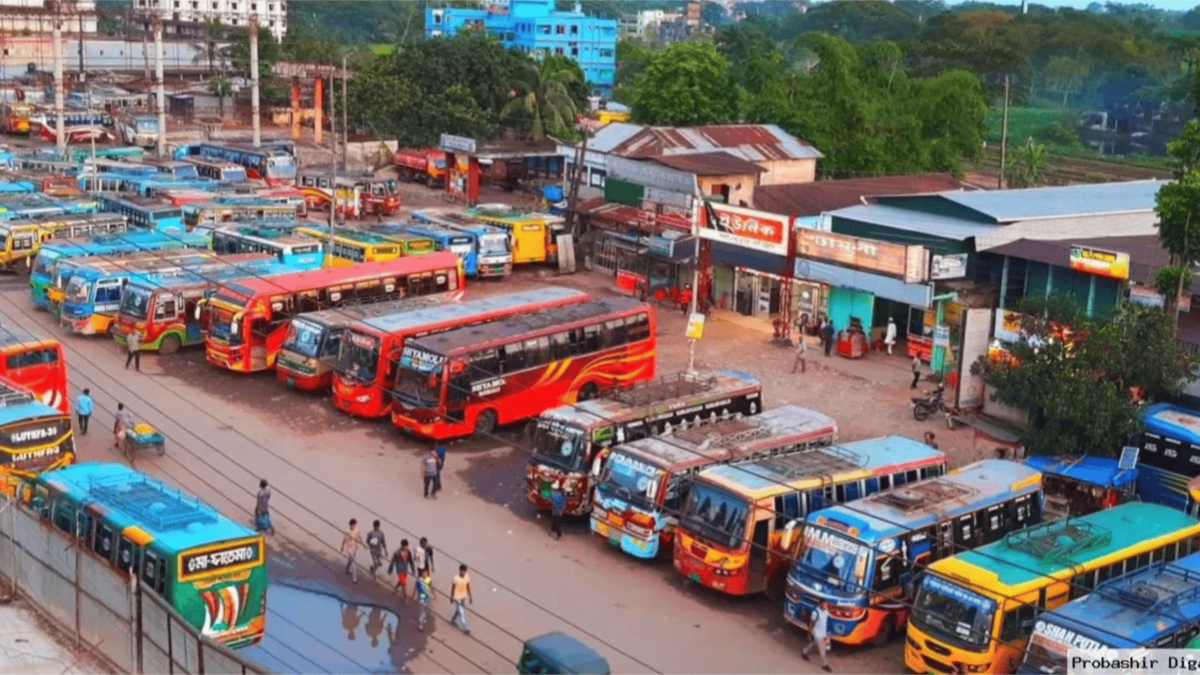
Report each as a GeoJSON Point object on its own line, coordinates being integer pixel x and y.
{"type": "Point", "coordinates": [886, 629]}
{"type": "Point", "coordinates": [588, 392]}
{"type": "Point", "coordinates": [485, 423]}
{"type": "Point", "coordinates": [170, 344]}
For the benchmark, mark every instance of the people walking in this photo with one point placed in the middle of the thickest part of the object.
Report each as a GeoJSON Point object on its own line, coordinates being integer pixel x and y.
{"type": "Point", "coordinates": [916, 371]}
{"type": "Point", "coordinates": [122, 425]}
{"type": "Point", "coordinates": [429, 468]}
{"type": "Point", "coordinates": [685, 299]}
{"type": "Point", "coordinates": [134, 347]}
{"type": "Point", "coordinates": [351, 542]}
{"type": "Point", "coordinates": [83, 410]}
{"type": "Point", "coordinates": [262, 508]}
{"type": "Point", "coordinates": [402, 566]}
{"type": "Point", "coordinates": [558, 505]}
{"type": "Point", "coordinates": [424, 556]}
{"type": "Point", "coordinates": [819, 636]}
{"type": "Point", "coordinates": [830, 336]}
{"type": "Point", "coordinates": [801, 355]}
{"type": "Point", "coordinates": [889, 337]}
{"type": "Point", "coordinates": [377, 545]}
{"type": "Point", "coordinates": [424, 593]}
{"type": "Point", "coordinates": [460, 595]}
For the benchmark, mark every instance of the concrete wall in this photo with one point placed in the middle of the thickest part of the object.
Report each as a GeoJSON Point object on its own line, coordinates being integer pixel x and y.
{"type": "Point", "coordinates": [788, 171]}
{"type": "Point", "coordinates": [741, 188]}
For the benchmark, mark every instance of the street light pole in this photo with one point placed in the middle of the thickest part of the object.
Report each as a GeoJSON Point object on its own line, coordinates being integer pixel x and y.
{"type": "Point", "coordinates": [345, 123]}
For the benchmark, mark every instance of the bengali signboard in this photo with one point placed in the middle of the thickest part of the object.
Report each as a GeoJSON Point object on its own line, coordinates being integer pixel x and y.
{"type": "Point", "coordinates": [896, 260]}
{"type": "Point", "coordinates": [948, 266]}
{"type": "Point", "coordinates": [452, 143]}
{"type": "Point", "coordinates": [747, 228]}
{"type": "Point", "coordinates": [1102, 263]}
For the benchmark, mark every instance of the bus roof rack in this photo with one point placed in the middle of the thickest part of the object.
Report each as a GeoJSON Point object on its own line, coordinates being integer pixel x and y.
{"type": "Point", "coordinates": [823, 461]}
{"type": "Point", "coordinates": [663, 388]}
{"type": "Point", "coordinates": [721, 432]}
{"type": "Point", "coordinates": [11, 394]}
{"type": "Point", "coordinates": [152, 502]}
{"type": "Point", "coordinates": [914, 496]}
{"type": "Point", "coordinates": [1059, 539]}
{"type": "Point", "coordinates": [1153, 598]}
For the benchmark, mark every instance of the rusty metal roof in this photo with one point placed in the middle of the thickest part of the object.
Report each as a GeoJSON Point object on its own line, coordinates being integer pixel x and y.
{"type": "Point", "coordinates": [815, 198]}
{"type": "Point", "coordinates": [751, 142]}
{"type": "Point", "coordinates": [710, 164]}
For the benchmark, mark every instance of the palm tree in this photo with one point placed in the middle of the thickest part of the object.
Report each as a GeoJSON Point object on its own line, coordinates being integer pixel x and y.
{"type": "Point", "coordinates": [209, 48]}
{"type": "Point", "coordinates": [544, 99]}
{"type": "Point", "coordinates": [220, 86]}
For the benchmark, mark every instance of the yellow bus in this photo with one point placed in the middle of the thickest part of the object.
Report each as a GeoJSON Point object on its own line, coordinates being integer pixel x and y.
{"type": "Point", "coordinates": [22, 238]}
{"type": "Point", "coordinates": [351, 247]}
{"type": "Point", "coordinates": [974, 612]}
{"type": "Point", "coordinates": [534, 236]}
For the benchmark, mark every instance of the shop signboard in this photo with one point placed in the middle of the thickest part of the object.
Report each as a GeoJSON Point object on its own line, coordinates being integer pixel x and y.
{"type": "Point", "coordinates": [941, 336]}
{"type": "Point", "coordinates": [1008, 326]}
{"type": "Point", "coordinates": [650, 174]}
{"type": "Point", "coordinates": [452, 143]}
{"type": "Point", "coordinates": [747, 228]}
{"type": "Point", "coordinates": [950, 266]}
{"type": "Point", "coordinates": [896, 260]}
{"type": "Point", "coordinates": [695, 326]}
{"type": "Point", "coordinates": [1109, 264]}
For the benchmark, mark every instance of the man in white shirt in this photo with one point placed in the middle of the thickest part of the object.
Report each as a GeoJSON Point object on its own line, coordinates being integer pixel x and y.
{"type": "Point", "coordinates": [819, 636]}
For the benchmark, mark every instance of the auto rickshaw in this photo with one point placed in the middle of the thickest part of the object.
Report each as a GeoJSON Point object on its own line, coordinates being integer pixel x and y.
{"type": "Point", "coordinates": [560, 653]}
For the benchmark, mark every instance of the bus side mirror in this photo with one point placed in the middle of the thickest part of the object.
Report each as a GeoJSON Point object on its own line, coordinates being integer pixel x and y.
{"type": "Point", "coordinates": [597, 464]}
{"type": "Point", "coordinates": [788, 529]}
{"type": "Point", "coordinates": [234, 328]}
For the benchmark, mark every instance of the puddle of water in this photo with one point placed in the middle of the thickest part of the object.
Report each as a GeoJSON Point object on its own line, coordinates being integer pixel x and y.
{"type": "Point", "coordinates": [309, 632]}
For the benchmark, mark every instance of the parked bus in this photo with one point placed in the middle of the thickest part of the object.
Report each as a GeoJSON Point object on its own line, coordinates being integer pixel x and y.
{"type": "Point", "coordinates": [149, 214]}
{"type": "Point", "coordinates": [16, 116]}
{"type": "Point", "coordinates": [218, 170]}
{"type": "Point", "coordinates": [251, 317]}
{"type": "Point", "coordinates": [291, 248]}
{"type": "Point", "coordinates": [172, 168]}
{"type": "Point", "coordinates": [471, 380]}
{"type": "Point", "coordinates": [45, 265]}
{"type": "Point", "coordinates": [534, 236]}
{"type": "Point", "coordinates": [367, 366]}
{"type": "Point", "coordinates": [732, 534]}
{"type": "Point", "coordinates": [314, 341]}
{"type": "Point", "coordinates": [37, 364]}
{"type": "Point", "coordinates": [492, 249]}
{"type": "Point", "coordinates": [211, 570]}
{"type": "Point", "coordinates": [66, 268]}
{"type": "Point", "coordinates": [30, 205]}
{"type": "Point", "coordinates": [444, 238]}
{"type": "Point", "coordinates": [645, 483]}
{"type": "Point", "coordinates": [273, 165]}
{"type": "Point", "coordinates": [974, 612]}
{"type": "Point", "coordinates": [21, 239]}
{"type": "Point", "coordinates": [34, 437]}
{"type": "Point", "coordinates": [1077, 486]}
{"type": "Point", "coordinates": [1154, 608]}
{"type": "Point", "coordinates": [355, 196]}
{"type": "Point", "coordinates": [1169, 454]}
{"type": "Point", "coordinates": [570, 441]}
{"type": "Point", "coordinates": [164, 311]}
{"type": "Point", "coordinates": [218, 211]}
{"type": "Point", "coordinates": [351, 247]}
{"type": "Point", "coordinates": [138, 130]}
{"type": "Point", "coordinates": [862, 558]}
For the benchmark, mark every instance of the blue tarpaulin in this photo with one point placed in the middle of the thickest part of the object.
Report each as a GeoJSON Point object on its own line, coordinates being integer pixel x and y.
{"type": "Point", "coordinates": [1092, 470]}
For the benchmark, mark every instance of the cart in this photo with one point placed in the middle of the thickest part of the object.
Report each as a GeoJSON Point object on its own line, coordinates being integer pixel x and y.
{"type": "Point", "coordinates": [143, 437]}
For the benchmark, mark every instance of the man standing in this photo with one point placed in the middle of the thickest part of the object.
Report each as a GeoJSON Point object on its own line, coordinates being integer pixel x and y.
{"type": "Point", "coordinates": [889, 337]}
{"type": "Point", "coordinates": [558, 505]}
{"type": "Point", "coordinates": [801, 355]}
{"type": "Point", "coordinates": [460, 595]}
{"type": "Point", "coordinates": [377, 545]}
{"type": "Point", "coordinates": [424, 596]}
{"type": "Point", "coordinates": [429, 468]}
{"type": "Point", "coordinates": [402, 566]}
{"type": "Point", "coordinates": [916, 371]}
{"type": "Point", "coordinates": [830, 336]}
{"type": "Point", "coordinates": [262, 508]}
{"type": "Point", "coordinates": [424, 557]}
{"type": "Point", "coordinates": [133, 344]}
{"type": "Point", "coordinates": [83, 410]}
{"type": "Point", "coordinates": [123, 424]}
{"type": "Point", "coordinates": [819, 636]}
{"type": "Point", "coordinates": [351, 542]}
{"type": "Point", "coordinates": [441, 464]}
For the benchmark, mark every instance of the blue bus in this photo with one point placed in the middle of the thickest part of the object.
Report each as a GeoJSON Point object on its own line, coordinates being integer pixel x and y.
{"type": "Point", "coordinates": [1169, 454]}
{"type": "Point", "coordinates": [17, 186]}
{"type": "Point", "coordinates": [29, 205]}
{"type": "Point", "coordinates": [93, 294]}
{"type": "Point", "coordinates": [862, 557]}
{"type": "Point", "coordinates": [148, 214]}
{"type": "Point", "coordinates": [46, 263]}
{"type": "Point", "coordinates": [493, 248]}
{"type": "Point", "coordinates": [1157, 608]}
{"type": "Point", "coordinates": [461, 244]}
{"type": "Point", "coordinates": [34, 437]}
{"type": "Point", "coordinates": [298, 251]}
{"type": "Point", "coordinates": [269, 162]}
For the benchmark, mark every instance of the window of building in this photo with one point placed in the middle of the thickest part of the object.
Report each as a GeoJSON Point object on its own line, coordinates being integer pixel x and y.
{"type": "Point", "coordinates": [558, 51]}
{"type": "Point", "coordinates": [575, 30]}
{"type": "Point", "coordinates": [510, 36]}
{"type": "Point", "coordinates": [606, 53]}
{"type": "Point", "coordinates": [254, 7]}
{"type": "Point", "coordinates": [544, 30]}
{"type": "Point", "coordinates": [560, 29]}
{"type": "Point", "coordinates": [575, 51]}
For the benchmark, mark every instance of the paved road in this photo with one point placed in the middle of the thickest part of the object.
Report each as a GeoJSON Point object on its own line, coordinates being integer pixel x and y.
{"type": "Point", "coordinates": [227, 431]}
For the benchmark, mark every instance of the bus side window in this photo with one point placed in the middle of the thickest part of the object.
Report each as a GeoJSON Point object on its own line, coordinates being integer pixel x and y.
{"type": "Point", "coordinates": [127, 555]}
{"type": "Point", "coordinates": [673, 499]}
{"type": "Point", "coordinates": [1017, 623]}
{"type": "Point", "coordinates": [537, 352]}
{"type": "Point", "coordinates": [333, 345]}
{"type": "Point", "coordinates": [887, 572]}
{"type": "Point", "coordinates": [560, 346]}
{"type": "Point", "coordinates": [485, 364]}
{"type": "Point", "coordinates": [885, 483]}
{"type": "Point", "coordinates": [165, 309]}
{"type": "Point", "coordinates": [1170, 552]}
{"type": "Point", "coordinates": [103, 543]}
{"type": "Point", "coordinates": [872, 486]}
{"type": "Point", "coordinates": [154, 571]}
{"type": "Point", "coordinates": [639, 327]}
{"type": "Point", "coordinates": [899, 479]}
{"type": "Point", "coordinates": [993, 524]}
{"type": "Point", "coordinates": [64, 514]}
{"type": "Point", "coordinates": [512, 358]}
{"type": "Point", "coordinates": [591, 338]}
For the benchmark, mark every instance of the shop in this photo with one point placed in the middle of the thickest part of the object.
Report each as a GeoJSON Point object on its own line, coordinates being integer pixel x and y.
{"type": "Point", "coordinates": [646, 252]}
{"type": "Point", "coordinates": [748, 258]}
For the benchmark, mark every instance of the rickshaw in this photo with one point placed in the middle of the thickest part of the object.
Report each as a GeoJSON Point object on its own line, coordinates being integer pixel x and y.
{"type": "Point", "coordinates": [143, 437]}
{"type": "Point", "coordinates": [560, 653]}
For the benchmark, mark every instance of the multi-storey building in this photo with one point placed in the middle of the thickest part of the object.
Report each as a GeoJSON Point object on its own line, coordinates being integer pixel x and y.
{"type": "Point", "coordinates": [187, 17]}
{"type": "Point", "coordinates": [534, 27]}
{"type": "Point", "coordinates": [26, 17]}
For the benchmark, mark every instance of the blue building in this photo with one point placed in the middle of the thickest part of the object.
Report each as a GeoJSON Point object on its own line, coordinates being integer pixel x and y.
{"type": "Point", "coordinates": [534, 27]}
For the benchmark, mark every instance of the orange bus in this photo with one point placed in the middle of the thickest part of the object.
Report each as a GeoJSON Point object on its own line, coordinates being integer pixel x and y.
{"type": "Point", "coordinates": [249, 318]}
{"type": "Point", "coordinates": [37, 364]}
{"type": "Point", "coordinates": [474, 378]}
{"type": "Point", "coordinates": [370, 351]}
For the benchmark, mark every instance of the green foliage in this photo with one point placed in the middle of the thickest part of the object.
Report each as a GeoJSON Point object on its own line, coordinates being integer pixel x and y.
{"type": "Point", "coordinates": [210, 49]}
{"type": "Point", "coordinates": [1184, 151]}
{"type": "Point", "coordinates": [269, 51]}
{"type": "Point", "coordinates": [1170, 279]}
{"type": "Point", "coordinates": [1079, 391]}
{"type": "Point", "coordinates": [685, 84]}
{"type": "Point", "coordinates": [632, 58]}
{"type": "Point", "coordinates": [1178, 206]}
{"type": "Point", "coordinates": [1059, 134]}
{"type": "Point", "coordinates": [220, 87]}
{"type": "Point", "coordinates": [544, 104]}
{"type": "Point", "coordinates": [358, 23]}
{"type": "Point", "coordinates": [1066, 74]}
{"type": "Point", "coordinates": [1027, 165]}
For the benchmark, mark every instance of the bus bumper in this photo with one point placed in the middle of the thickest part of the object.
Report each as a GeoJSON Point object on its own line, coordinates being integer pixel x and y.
{"type": "Point", "coordinates": [223, 359]}
{"type": "Point", "coordinates": [614, 533]}
{"type": "Point", "coordinates": [358, 402]}
{"type": "Point", "coordinates": [302, 381]}
{"type": "Point", "coordinates": [919, 659]}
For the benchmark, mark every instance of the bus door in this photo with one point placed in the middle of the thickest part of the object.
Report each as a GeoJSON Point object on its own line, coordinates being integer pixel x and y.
{"type": "Point", "coordinates": [760, 544]}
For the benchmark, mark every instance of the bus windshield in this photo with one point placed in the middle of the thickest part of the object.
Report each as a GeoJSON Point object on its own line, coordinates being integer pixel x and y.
{"type": "Point", "coordinates": [415, 388]}
{"type": "Point", "coordinates": [42, 264]}
{"type": "Point", "coordinates": [831, 557]}
{"type": "Point", "coordinates": [561, 445]}
{"type": "Point", "coordinates": [359, 358]}
{"type": "Point", "coordinates": [135, 301]}
{"type": "Point", "coordinates": [952, 613]}
{"type": "Point", "coordinates": [78, 290]}
{"type": "Point", "coordinates": [304, 337]}
{"type": "Point", "coordinates": [494, 244]}
{"type": "Point", "coordinates": [630, 480]}
{"type": "Point", "coordinates": [1048, 651]}
{"type": "Point", "coordinates": [716, 514]}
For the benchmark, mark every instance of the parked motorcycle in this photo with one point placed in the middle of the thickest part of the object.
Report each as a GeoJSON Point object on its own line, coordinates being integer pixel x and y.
{"type": "Point", "coordinates": [934, 401]}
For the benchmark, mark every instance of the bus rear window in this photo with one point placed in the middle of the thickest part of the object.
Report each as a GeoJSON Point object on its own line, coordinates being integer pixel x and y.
{"type": "Point", "coordinates": [36, 357]}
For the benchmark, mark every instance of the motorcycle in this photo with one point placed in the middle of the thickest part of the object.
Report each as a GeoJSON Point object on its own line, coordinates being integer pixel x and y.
{"type": "Point", "coordinates": [934, 401]}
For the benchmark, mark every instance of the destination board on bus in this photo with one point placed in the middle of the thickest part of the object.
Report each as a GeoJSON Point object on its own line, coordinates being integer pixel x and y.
{"type": "Point", "coordinates": [213, 560]}
{"type": "Point", "coordinates": [33, 435]}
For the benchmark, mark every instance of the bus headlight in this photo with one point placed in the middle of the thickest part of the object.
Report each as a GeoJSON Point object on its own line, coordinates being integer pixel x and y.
{"type": "Point", "coordinates": [971, 667]}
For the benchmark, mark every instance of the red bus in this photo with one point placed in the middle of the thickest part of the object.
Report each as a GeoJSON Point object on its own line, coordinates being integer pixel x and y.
{"type": "Point", "coordinates": [37, 364]}
{"type": "Point", "coordinates": [475, 378]}
{"type": "Point", "coordinates": [366, 369]}
{"type": "Point", "coordinates": [249, 319]}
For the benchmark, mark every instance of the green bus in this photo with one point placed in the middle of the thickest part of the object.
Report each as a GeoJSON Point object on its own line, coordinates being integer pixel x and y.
{"type": "Point", "coordinates": [212, 570]}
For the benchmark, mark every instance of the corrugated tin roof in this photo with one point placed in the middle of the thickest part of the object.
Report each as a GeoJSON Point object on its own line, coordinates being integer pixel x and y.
{"type": "Point", "coordinates": [815, 198]}
{"type": "Point", "coordinates": [1146, 253]}
{"type": "Point", "coordinates": [751, 142]}
{"type": "Point", "coordinates": [1007, 206]}
{"type": "Point", "coordinates": [612, 135]}
{"type": "Point", "coordinates": [946, 227]}
{"type": "Point", "coordinates": [710, 164]}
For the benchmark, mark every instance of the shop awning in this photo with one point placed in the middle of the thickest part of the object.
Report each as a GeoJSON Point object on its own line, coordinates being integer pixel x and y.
{"type": "Point", "coordinates": [626, 242]}
{"type": "Point", "coordinates": [676, 247]}
{"type": "Point", "coordinates": [917, 295]}
{"type": "Point", "coordinates": [1091, 470]}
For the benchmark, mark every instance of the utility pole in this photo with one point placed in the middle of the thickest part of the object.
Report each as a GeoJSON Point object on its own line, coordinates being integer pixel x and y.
{"type": "Point", "coordinates": [345, 122]}
{"type": "Point", "coordinates": [333, 186]}
{"type": "Point", "coordinates": [59, 111]}
{"type": "Point", "coordinates": [1003, 138]}
{"type": "Point", "coordinates": [255, 122]}
{"type": "Point", "coordinates": [161, 86]}
{"type": "Point", "coordinates": [82, 70]}
{"type": "Point", "coordinates": [146, 64]}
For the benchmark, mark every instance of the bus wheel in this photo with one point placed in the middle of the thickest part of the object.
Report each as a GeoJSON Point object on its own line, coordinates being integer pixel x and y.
{"type": "Point", "coordinates": [885, 633]}
{"type": "Point", "coordinates": [170, 344]}
{"type": "Point", "coordinates": [588, 392]}
{"type": "Point", "coordinates": [485, 424]}
{"type": "Point", "coordinates": [777, 584]}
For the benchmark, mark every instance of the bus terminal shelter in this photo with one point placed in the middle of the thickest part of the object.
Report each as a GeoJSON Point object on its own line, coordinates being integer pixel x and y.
{"type": "Point", "coordinates": [468, 161]}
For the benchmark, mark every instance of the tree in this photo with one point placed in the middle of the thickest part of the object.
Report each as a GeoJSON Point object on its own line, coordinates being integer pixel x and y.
{"type": "Point", "coordinates": [1078, 376]}
{"type": "Point", "coordinates": [221, 87]}
{"type": "Point", "coordinates": [211, 48]}
{"type": "Point", "coordinates": [239, 51]}
{"type": "Point", "coordinates": [632, 58]}
{"type": "Point", "coordinates": [686, 84]}
{"type": "Point", "coordinates": [1066, 74]}
{"type": "Point", "coordinates": [1027, 166]}
{"type": "Point", "coordinates": [1178, 206]}
{"type": "Point", "coordinates": [544, 105]}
